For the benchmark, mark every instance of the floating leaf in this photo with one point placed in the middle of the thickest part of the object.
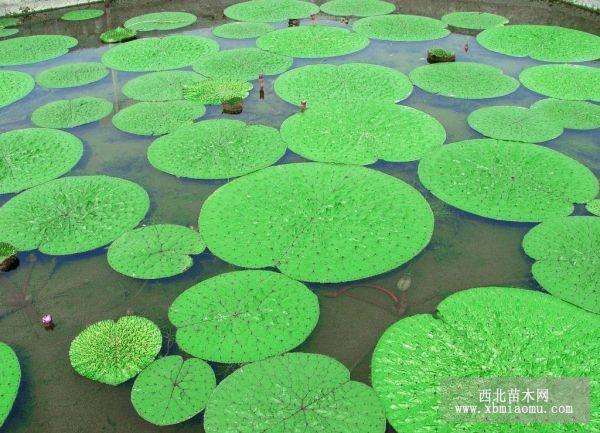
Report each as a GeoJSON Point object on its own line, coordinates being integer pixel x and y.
{"type": "Point", "coordinates": [270, 11]}
{"type": "Point", "coordinates": [507, 180]}
{"type": "Point", "coordinates": [593, 207]}
{"type": "Point", "coordinates": [33, 156]}
{"type": "Point", "coordinates": [72, 214]}
{"type": "Point", "coordinates": [114, 352]}
{"type": "Point", "coordinates": [157, 118]}
{"type": "Point", "coordinates": [118, 35]}
{"type": "Point", "coordinates": [160, 21]}
{"type": "Point", "coordinates": [10, 379]}
{"type": "Point", "coordinates": [297, 392]}
{"type": "Point", "coordinates": [362, 135]}
{"type": "Point", "coordinates": [161, 86]}
{"type": "Point", "coordinates": [69, 113]}
{"type": "Point", "coordinates": [474, 20]}
{"type": "Point", "coordinates": [4, 33]}
{"type": "Point", "coordinates": [6, 251]}
{"type": "Point", "coordinates": [214, 92]}
{"type": "Point", "coordinates": [406, 28]}
{"type": "Point", "coordinates": [244, 64]}
{"type": "Point", "coordinates": [242, 30]}
{"type": "Point", "coordinates": [82, 15]}
{"type": "Point", "coordinates": [14, 86]}
{"type": "Point", "coordinates": [33, 49]}
{"type": "Point", "coordinates": [9, 21]}
{"type": "Point", "coordinates": [573, 82]}
{"type": "Point", "coordinates": [357, 8]}
{"type": "Point", "coordinates": [317, 222]}
{"type": "Point", "coordinates": [71, 75]}
{"type": "Point", "coordinates": [569, 114]}
{"type": "Point", "coordinates": [244, 316]}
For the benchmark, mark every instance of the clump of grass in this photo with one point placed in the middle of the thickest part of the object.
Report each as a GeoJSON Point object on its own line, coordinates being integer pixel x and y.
{"type": "Point", "coordinates": [437, 55]}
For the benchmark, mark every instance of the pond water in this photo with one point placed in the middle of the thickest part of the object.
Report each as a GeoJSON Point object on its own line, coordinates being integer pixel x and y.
{"type": "Point", "coordinates": [466, 251]}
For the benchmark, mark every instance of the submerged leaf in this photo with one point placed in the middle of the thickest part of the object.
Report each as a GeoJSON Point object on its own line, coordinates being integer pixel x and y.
{"type": "Point", "coordinates": [10, 379]}
{"type": "Point", "coordinates": [71, 75]}
{"type": "Point", "coordinates": [270, 11]}
{"type": "Point", "coordinates": [14, 86]}
{"type": "Point", "coordinates": [406, 28]}
{"type": "Point", "coordinates": [33, 49]}
{"type": "Point", "coordinates": [157, 118]}
{"type": "Point", "coordinates": [160, 21]}
{"type": "Point", "coordinates": [70, 113]}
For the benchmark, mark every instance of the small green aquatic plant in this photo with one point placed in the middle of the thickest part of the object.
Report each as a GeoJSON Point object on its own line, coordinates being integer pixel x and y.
{"type": "Point", "coordinates": [10, 379]}
{"type": "Point", "coordinates": [14, 86]}
{"type": "Point", "coordinates": [438, 55]}
{"type": "Point", "coordinates": [118, 35]}
{"type": "Point", "coordinates": [6, 251]}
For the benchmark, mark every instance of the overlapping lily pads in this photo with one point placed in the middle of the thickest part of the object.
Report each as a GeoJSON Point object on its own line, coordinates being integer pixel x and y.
{"type": "Point", "coordinates": [29, 157]}
{"type": "Point", "coordinates": [10, 379]}
{"type": "Point", "coordinates": [14, 85]}
{"type": "Point", "coordinates": [82, 15]}
{"type": "Point", "coordinates": [72, 214]}
{"type": "Point", "coordinates": [484, 332]}
{"type": "Point", "coordinates": [362, 135]}
{"type": "Point", "coordinates": [71, 75]}
{"type": "Point", "coordinates": [312, 41]}
{"type": "Point", "coordinates": [317, 222]}
{"type": "Point", "coordinates": [244, 64]}
{"type": "Point", "coordinates": [242, 30]}
{"type": "Point", "coordinates": [157, 118]}
{"type": "Point", "coordinates": [569, 114]}
{"type": "Point", "coordinates": [507, 180]}
{"type": "Point", "coordinates": [160, 21]}
{"type": "Point", "coordinates": [33, 49]}
{"type": "Point", "coordinates": [593, 207]}
{"type": "Point", "coordinates": [572, 82]}
{"type": "Point", "coordinates": [161, 86]}
{"type": "Point", "coordinates": [216, 149]}
{"type": "Point", "coordinates": [358, 8]}
{"type": "Point", "coordinates": [463, 80]}
{"type": "Point", "coordinates": [114, 352]}
{"type": "Point", "coordinates": [70, 113]}
{"type": "Point", "coordinates": [156, 251]}
{"type": "Point", "coordinates": [405, 28]}
{"type": "Point", "coordinates": [244, 316]}
{"type": "Point", "coordinates": [270, 11]}
{"type": "Point", "coordinates": [474, 20]}
{"type": "Point", "coordinates": [214, 92]}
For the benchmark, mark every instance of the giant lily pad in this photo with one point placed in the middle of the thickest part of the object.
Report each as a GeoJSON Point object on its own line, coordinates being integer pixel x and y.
{"type": "Point", "coordinates": [350, 83]}
{"type": "Point", "coordinates": [270, 11]}
{"type": "Point", "coordinates": [317, 222]}
{"type": "Point", "coordinates": [157, 118]}
{"type": "Point", "coordinates": [593, 207]}
{"type": "Point", "coordinates": [159, 54]}
{"type": "Point", "coordinates": [474, 20]}
{"type": "Point", "coordinates": [244, 64]}
{"type": "Point", "coordinates": [69, 113]}
{"type": "Point", "coordinates": [242, 30]}
{"type": "Point", "coordinates": [485, 332]}
{"type": "Point", "coordinates": [463, 80]}
{"type": "Point", "coordinates": [10, 378]}
{"type": "Point", "coordinates": [29, 157]}
{"type": "Point", "coordinates": [507, 180]}
{"type": "Point", "coordinates": [171, 390]}
{"type": "Point", "coordinates": [4, 33]}
{"type": "Point", "coordinates": [546, 43]}
{"type": "Point", "coordinates": [114, 352]}
{"type": "Point", "coordinates": [216, 149]}
{"type": "Point", "coordinates": [312, 41]}
{"type": "Point", "coordinates": [569, 114]}
{"type": "Point", "coordinates": [9, 21]}
{"type": "Point", "coordinates": [82, 15]}
{"type": "Point", "coordinates": [14, 85]}
{"type": "Point", "coordinates": [34, 49]}
{"type": "Point", "coordinates": [362, 135]}
{"type": "Point", "coordinates": [406, 28]}
{"type": "Point", "coordinates": [573, 82]}
{"type": "Point", "coordinates": [567, 254]}
{"type": "Point", "coordinates": [358, 8]}
{"type": "Point", "coordinates": [214, 92]}
{"type": "Point", "coordinates": [297, 392]}
{"type": "Point", "coordinates": [71, 75]}
{"type": "Point", "coordinates": [244, 316]}
{"type": "Point", "coordinates": [72, 214]}
{"type": "Point", "coordinates": [160, 21]}
{"type": "Point", "coordinates": [156, 251]}
{"type": "Point", "coordinates": [161, 86]}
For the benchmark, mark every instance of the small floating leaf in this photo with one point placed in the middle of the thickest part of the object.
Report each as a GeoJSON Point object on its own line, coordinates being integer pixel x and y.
{"type": "Point", "coordinates": [573, 82]}
{"type": "Point", "coordinates": [157, 118]}
{"type": "Point", "coordinates": [117, 35]}
{"type": "Point", "coordinates": [214, 92]}
{"type": "Point", "coordinates": [569, 114]}
{"type": "Point", "coordinates": [593, 207]}
{"type": "Point", "coordinates": [71, 75]}
{"type": "Point", "coordinates": [270, 11]}
{"type": "Point", "coordinates": [357, 8]}
{"type": "Point", "coordinates": [33, 49]}
{"type": "Point", "coordinates": [244, 64]}
{"type": "Point", "coordinates": [82, 15]}
{"type": "Point", "coordinates": [6, 251]}
{"type": "Point", "coordinates": [242, 30]}
{"type": "Point", "coordinates": [10, 379]}
{"type": "Point", "coordinates": [406, 28]}
{"type": "Point", "coordinates": [161, 86]}
{"type": "Point", "coordinates": [474, 20]}
{"type": "Point", "coordinates": [14, 86]}
{"type": "Point", "coordinates": [160, 21]}
{"type": "Point", "coordinates": [69, 113]}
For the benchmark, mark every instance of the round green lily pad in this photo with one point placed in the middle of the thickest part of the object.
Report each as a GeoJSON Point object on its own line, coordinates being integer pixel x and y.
{"type": "Point", "coordinates": [4, 33]}
{"type": "Point", "coordinates": [573, 82]}
{"type": "Point", "coordinates": [357, 8]}
{"type": "Point", "coordinates": [474, 20]}
{"type": "Point", "coordinates": [9, 21]}
{"type": "Point", "coordinates": [312, 41]}
{"type": "Point", "coordinates": [73, 214]}
{"type": "Point", "coordinates": [270, 11]}
{"type": "Point", "coordinates": [244, 316]}
{"type": "Point", "coordinates": [216, 149]}
{"type": "Point", "coordinates": [159, 54]}
{"type": "Point", "coordinates": [113, 352]}
{"type": "Point", "coordinates": [296, 392]}
{"type": "Point", "coordinates": [117, 35]}
{"type": "Point", "coordinates": [33, 156]}
{"type": "Point", "coordinates": [463, 80]}
{"type": "Point", "coordinates": [82, 15]}
{"type": "Point", "coordinates": [593, 207]}
{"type": "Point", "coordinates": [507, 180]}
{"type": "Point", "coordinates": [71, 75]}
{"type": "Point", "coordinates": [317, 222]}
{"type": "Point", "coordinates": [171, 390]}
{"type": "Point", "coordinates": [161, 86]}
{"type": "Point", "coordinates": [483, 333]}
{"type": "Point", "coordinates": [545, 43]}
{"type": "Point", "coordinates": [10, 379]}
{"type": "Point", "coordinates": [244, 64]}
{"type": "Point", "coordinates": [156, 251]}
{"type": "Point", "coordinates": [350, 84]}
{"type": "Point", "coordinates": [569, 114]}
{"type": "Point", "coordinates": [362, 135]}
{"type": "Point", "coordinates": [70, 113]}
{"type": "Point", "coordinates": [157, 118]}
{"type": "Point", "coordinates": [405, 28]}
{"type": "Point", "coordinates": [242, 30]}
{"type": "Point", "coordinates": [14, 86]}
{"type": "Point", "coordinates": [160, 21]}
{"type": "Point", "coordinates": [33, 49]}
{"type": "Point", "coordinates": [514, 124]}
{"type": "Point", "coordinates": [567, 255]}
{"type": "Point", "coordinates": [214, 92]}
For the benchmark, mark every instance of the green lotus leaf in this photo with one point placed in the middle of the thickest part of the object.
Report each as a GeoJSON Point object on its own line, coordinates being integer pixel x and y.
{"type": "Point", "coordinates": [161, 86]}
{"type": "Point", "coordinates": [73, 214]}
{"type": "Point", "coordinates": [569, 114]}
{"type": "Point", "coordinates": [160, 21]}
{"type": "Point", "coordinates": [474, 20]}
{"type": "Point", "coordinates": [71, 75]}
{"type": "Point", "coordinates": [350, 84]}
{"type": "Point", "coordinates": [545, 43]}
{"type": "Point", "coordinates": [362, 135]}
{"type": "Point", "coordinates": [463, 80]}
{"type": "Point", "coordinates": [405, 28]}
{"type": "Point", "coordinates": [312, 41]}
{"type": "Point", "coordinates": [30, 157]}
{"type": "Point", "coordinates": [82, 15]}
{"type": "Point", "coordinates": [514, 124]}
{"type": "Point", "coordinates": [118, 35]}
{"type": "Point", "coordinates": [10, 379]}
{"type": "Point", "coordinates": [357, 8]}
{"type": "Point", "coordinates": [114, 352]}
{"type": "Point", "coordinates": [33, 49]}
{"type": "Point", "coordinates": [573, 82]}
{"type": "Point", "coordinates": [242, 30]}
{"type": "Point", "coordinates": [485, 332]}
{"type": "Point", "coordinates": [156, 251]}
{"type": "Point", "coordinates": [593, 207]}
{"type": "Point", "coordinates": [6, 251]}
{"type": "Point", "coordinates": [214, 92]}
{"type": "Point", "coordinates": [244, 64]}
{"type": "Point", "coordinates": [244, 316]}
{"type": "Point", "coordinates": [14, 86]}
{"type": "Point", "coordinates": [317, 222]}
{"type": "Point", "coordinates": [296, 392]}
{"type": "Point", "coordinates": [159, 54]}
{"type": "Point", "coordinates": [157, 118]}
{"type": "Point", "coordinates": [9, 22]}
{"type": "Point", "coordinates": [4, 33]}
{"type": "Point", "coordinates": [270, 11]}
{"type": "Point", "coordinates": [507, 180]}
{"type": "Point", "coordinates": [70, 113]}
